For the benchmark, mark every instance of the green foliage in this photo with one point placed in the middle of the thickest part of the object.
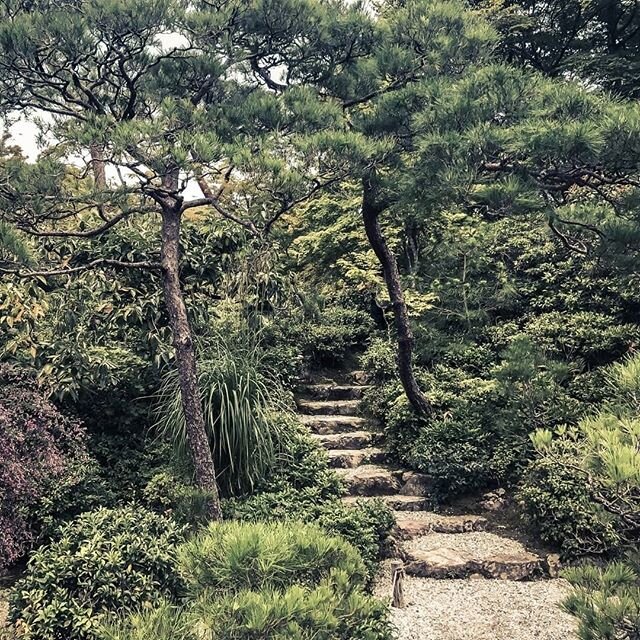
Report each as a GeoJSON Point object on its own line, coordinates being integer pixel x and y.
{"type": "Point", "coordinates": [366, 526]}
{"type": "Point", "coordinates": [562, 509]}
{"type": "Point", "coordinates": [336, 332]}
{"type": "Point", "coordinates": [300, 462]}
{"type": "Point", "coordinates": [379, 360]}
{"type": "Point", "coordinates": [103, 562]}
{"type": "Point", "coordinates": [594, 338]}
{"type": "Point", "coordinates": [332, 610]}
{"type": "Point", "coordinates": [477, 435]}
{"type": "Point", "coordinates": [285, 580]}
{"type": "Point", "coordinates": [240, 398]}
{"type": "Point", "coordinates": [235, 556]}
{"type": "Point", "coordinates": [173, 497]}
{"type": "Point", "coordinates": [583, 490]}
{"type": "Point", "coordinates": [606, 600]}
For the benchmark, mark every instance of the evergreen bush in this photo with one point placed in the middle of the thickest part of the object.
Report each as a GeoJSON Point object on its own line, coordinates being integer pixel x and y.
{"type": "Point", "coordinates": [234, 556]}
{"type": "Point", "coordinates": [104, 562]}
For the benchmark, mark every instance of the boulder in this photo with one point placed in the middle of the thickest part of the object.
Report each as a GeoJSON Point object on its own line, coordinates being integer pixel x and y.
{"type": "Point", "coordinates": [369, 480]}
{"type": "Point", "coordinates": [416, 484]}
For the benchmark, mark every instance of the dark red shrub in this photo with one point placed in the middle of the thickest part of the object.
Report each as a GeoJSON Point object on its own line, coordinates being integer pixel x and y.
{"type": "Point", "coordinates": [39, 448]}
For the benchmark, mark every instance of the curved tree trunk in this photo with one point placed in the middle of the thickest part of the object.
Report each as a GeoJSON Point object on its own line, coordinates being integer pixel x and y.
{"type": "Point", "coordinates": [371, 210]}
{"type": "Point", "coordinates": [186, 361]}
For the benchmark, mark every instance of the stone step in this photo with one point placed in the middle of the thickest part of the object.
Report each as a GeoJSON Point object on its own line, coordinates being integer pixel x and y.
{"type": "Point", "coordinates": [473, 554]}
{"type": "Point", "coordinates": [370, 480]}
{"type": "Point", "coordinates": [333, 391]}
{"type": "Point", "coordinates": [411, 526]}
{"type": "Point", "coordinates": [350, 458]}
{"type": "Point", "coordinates": [333, 424]}
{"type": "Point", "coordinates": [350, 440]}
{"type": "Point", "coordinates": [328, 407]}
{"type": "Point", "coordinates": [396, 502]}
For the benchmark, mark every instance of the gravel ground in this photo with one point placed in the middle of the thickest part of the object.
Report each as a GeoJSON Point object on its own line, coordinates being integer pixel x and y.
{"type": "Point", "coordinates": [479, 609]}
{"type": "Point", "coordinates": [479, 544]}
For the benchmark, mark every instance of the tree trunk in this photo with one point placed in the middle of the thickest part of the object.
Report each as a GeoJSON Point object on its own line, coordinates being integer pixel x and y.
{"type": "Point", "coordinates": [97, 164]}
{"type": "Point", "coordinates": [371, 210]}
{"type": "Point", "coordinates": [186, 361]}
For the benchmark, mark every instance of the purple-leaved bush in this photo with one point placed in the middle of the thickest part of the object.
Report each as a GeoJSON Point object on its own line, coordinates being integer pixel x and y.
{"type": "Point", "coordinates": [39, 446]}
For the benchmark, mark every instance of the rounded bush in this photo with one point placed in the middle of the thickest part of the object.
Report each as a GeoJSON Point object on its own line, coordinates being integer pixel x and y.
{"type": "Point", "coordinates": [232, 556]}
{"type": "Point", "coordinates": [103, 562]}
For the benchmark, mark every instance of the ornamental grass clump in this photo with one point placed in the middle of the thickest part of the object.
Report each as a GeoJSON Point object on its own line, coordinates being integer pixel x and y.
{"type": "Point", "coordinates": [241, 398]}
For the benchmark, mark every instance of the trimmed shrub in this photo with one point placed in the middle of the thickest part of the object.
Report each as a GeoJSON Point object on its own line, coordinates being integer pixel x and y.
{"type": "Point", "coordinates": [234, 556]}
{"type": "Point", "coordinates": [562, 509]}
{"type": "Point", "coordinates": [42, 454]}
{"type": "Point", "coordinates": [284, 580]}
{"type": "Point", "coordinates": [337, 332]}
{"type": "Point", "coordinates": [583, 490]}
{"type": "Point", "coordinates": [366, 526]}
{"type": "Point", "coordinates": [103, 562]}
{"type": "Point", "coordinates": [335, 609]}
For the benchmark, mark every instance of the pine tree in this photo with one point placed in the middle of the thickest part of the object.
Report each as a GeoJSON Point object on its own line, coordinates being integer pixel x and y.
{"type": "Point", "coordinates": [138, 101]}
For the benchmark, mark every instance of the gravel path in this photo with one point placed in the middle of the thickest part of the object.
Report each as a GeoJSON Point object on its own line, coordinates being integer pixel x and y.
{"type": "Point", "coordinates": [479, 609]}
{"type": "Point", "coordinates": [480, 544]}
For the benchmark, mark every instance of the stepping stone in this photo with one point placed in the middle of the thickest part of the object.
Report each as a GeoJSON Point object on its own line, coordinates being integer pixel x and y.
{"type": "Point", "coordinates": [333, 424]}
{"type": "Point", "coordinates": [521, 566]}
{"type": "Point", "coordinates": [439, 563]}
{"type": "Point", "coordinates": [477, 554]}
{"type": "Point", "coordinates": [409, 527]}
{"type": "Point", "coordinates": [450, 563]}
{"type": "Point", "coordinates": [329, 407]}
{"type": "Point", "coordinates": [350, 458]}
{"type": "Point", "coordinates": [350, 440]}
{"type": "Point", "coordinates": [395, 503]}
{"type": "Point", "coordinates": [334, 391]}
{"type": "Point", "coordinates": [369, 480]}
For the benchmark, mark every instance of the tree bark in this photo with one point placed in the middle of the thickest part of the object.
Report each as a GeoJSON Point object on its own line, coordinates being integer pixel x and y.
{"type": "Point", "coordinates": [186, 360]}
{"type": "Point", "coordinates": [372, 207]}
{"type": "Point", "coordinates": [98, 166]}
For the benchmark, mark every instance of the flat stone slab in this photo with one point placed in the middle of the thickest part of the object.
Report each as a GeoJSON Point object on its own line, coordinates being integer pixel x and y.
{"type": "Point", "coordinates": [521, 566]}
{"type": "Point", "coordinates": [439, 563]}
{"type": "Point", "coordinates": [333, 424]}
{"type": "Point", "coordinates": [408, 527]}
{"type": "Point", "coordinates": [350, 440]}
{"type": "Point", "coordinates": [370, 480]}
{"type": "Point", "coordinates": [397, 502]}
{"type": "Point", "coordinates": [350, 458]}
{"type": "Point", "coordinates": [450, 563]}
{"type": "Point", "coordinates": [329, 407]}
{"type": "Point", "coordinates": [335, 391]}
{"type": "Point", "coordinates": [464, 554]}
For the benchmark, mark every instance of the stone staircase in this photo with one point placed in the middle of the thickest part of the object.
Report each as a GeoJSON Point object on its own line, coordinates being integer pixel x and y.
{"type": "Point", "coordinates": [424, 539]}
{"type": "Point", "coordinates": [433, 546]}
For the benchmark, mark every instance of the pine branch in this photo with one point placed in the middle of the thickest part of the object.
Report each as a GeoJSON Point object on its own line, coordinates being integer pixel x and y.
{"type": "Point", "coordinates": [100, 262]}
